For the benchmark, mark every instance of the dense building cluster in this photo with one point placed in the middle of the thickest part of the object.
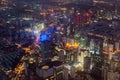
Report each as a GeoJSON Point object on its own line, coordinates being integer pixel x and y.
{"type": "Point", "coordinates": [59, 40]}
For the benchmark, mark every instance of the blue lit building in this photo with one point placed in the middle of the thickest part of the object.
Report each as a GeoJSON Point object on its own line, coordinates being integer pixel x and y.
{"type": "Point", "coordinates": [45, 39]}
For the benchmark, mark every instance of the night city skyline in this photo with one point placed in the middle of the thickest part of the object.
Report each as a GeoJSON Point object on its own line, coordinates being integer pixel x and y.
{"type": "Point", "coordinates": [59, 40]}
